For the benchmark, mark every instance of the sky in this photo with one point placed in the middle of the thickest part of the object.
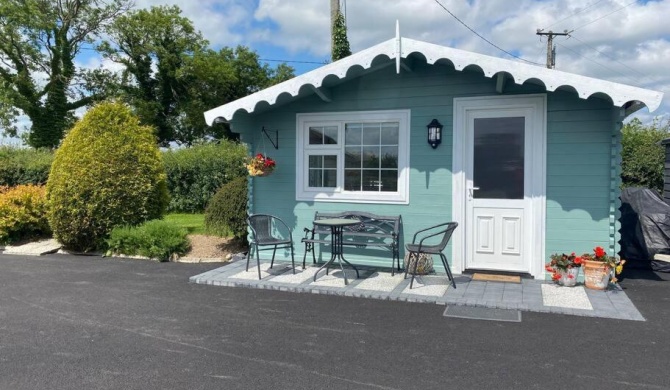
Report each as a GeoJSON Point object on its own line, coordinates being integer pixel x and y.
{"type": "Point", "coordinates": [617, 40]}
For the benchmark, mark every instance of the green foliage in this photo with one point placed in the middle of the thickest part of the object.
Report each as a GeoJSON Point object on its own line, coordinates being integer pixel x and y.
{"type": "Point", "coordinates": [341, 47]}
{"type": "Point", "coordinates": [41, 39]}
{"type": "Point", "coordinates": [226, 213]}
{"type": "Point", "coordinates": [171, 78]}
{"type": "Point", "coordinates": [22, 213]}
{"type": "Point", "coordinates": [193, 223]}
{"type": "Point", "coordinates": [24, 166]}
{"type": "Point", "coordinates": [108, 172]}
{"type": "Point", "coordinates": [160, 240]}
{"type": "Point", "coordinates": [642, 154]}
{"type": "Point", "coordinates": [194, 174]}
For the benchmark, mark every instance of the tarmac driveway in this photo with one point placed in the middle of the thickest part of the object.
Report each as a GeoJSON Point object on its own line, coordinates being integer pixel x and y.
{"type": "Point", "coordinates": [90, 323]}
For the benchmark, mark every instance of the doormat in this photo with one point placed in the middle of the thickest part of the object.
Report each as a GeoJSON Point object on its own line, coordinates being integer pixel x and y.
{"type": "Point", "coordinates": [497, 278]}
{"type": "Point", "coordinates": [483, 313]}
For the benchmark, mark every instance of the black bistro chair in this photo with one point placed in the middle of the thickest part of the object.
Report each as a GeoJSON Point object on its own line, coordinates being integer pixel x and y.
{"type": "Point", "coordinates": [268, 230]}
{"type": "Point", "coordinates": [445, 230]}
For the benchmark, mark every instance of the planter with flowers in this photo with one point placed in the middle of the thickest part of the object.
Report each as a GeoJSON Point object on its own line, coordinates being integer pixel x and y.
{"type": "Point", "coordinates": [260, 165]}
{"type": "Point", "coordinates": [564, 268]}
{"type": "Point", "coordinates": [600, 269]}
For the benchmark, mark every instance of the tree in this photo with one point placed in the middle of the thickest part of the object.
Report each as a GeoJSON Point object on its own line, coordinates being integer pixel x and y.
{"type": "Point", "coordinates": [642, 154]}
{"type": "Point", "coordinates": [171, 77]}
{"type": "Point", "coordinates": [39, 40]}
{"type": "Point", "coordinates": [340, 42]}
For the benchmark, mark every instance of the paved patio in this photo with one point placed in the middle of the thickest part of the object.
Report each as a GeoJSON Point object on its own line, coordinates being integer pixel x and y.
{"type": "Point", "coordinates": [529, 295]}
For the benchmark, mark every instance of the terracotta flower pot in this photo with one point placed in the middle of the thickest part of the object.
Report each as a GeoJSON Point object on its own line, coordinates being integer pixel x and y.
{"type": "Point", "coordinates": [596, 274]}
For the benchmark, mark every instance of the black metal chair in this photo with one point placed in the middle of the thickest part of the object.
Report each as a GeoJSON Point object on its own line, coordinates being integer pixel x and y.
{"type": "Point", "coordinates": [414, 249]}
{"type": "Point", "coordinates": [268, 230]}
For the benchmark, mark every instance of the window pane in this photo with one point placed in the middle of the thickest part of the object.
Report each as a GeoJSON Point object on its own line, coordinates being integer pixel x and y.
{"type": "Point", "coordinates": [389, 181]}
{"type": "Point", "coordinates": [316, 135]}
{"type": "Point", "coordinates": [390, 133]}
{"type": "Point", "coordinates": [371, 134]}
{"type": "Point", "coordinates": [352, 157]}
{"type": "Point", "coordinates": [330, 161]}
{"type": "Point", "coordinates": [330, 178]}
{"type": "Point", "coordinates": [352, 179]}
{"type": "Point", "coordinates": [315, 161]}
{"type": "Point", "coordinates": [315, 178]}
{"type": "Point", "coordinates": [371, 180]}
{"type": "Point", "coordinates": [499, 158]}
{"type": "Point", "coordinates": [370, 157]}
{"type": "Point", "coordinates": [330, 135]}
{"type": "Point", "coordinates": [352, 134]}
{"type": "Point", "coordinates": [389, 156]}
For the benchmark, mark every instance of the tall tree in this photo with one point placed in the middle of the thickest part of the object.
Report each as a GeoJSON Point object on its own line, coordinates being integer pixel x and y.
{"type": "Point", "coordinates": [171, 76]}
{"type": "Point", "coordinates": [341, 47]}
{"type": "Point", "coordinates": [39, 40]}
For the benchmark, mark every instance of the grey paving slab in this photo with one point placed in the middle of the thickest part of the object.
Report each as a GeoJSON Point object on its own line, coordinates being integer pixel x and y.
{"type": "Point", "coordinates": [530, 295]}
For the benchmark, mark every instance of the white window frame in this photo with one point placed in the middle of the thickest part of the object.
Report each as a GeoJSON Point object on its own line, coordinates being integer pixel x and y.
{"type": "Point", "coordinates": [338, 194]}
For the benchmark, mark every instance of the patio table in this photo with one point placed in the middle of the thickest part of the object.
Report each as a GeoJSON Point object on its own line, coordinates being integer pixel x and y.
{"type": "Point", "coordinates": [336, 225]}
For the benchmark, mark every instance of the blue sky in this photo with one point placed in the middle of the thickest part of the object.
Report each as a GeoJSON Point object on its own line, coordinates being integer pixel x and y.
{"type": "Point", "coordinates": [618, 40]}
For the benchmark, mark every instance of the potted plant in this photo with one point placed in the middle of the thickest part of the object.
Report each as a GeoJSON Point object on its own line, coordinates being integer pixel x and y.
{"type": "Point", "coordinates": [260, 165]}
{"type": "Point", "coordinates": [564, 268]}
{"type": "Point", "coordinates": [600, 268]}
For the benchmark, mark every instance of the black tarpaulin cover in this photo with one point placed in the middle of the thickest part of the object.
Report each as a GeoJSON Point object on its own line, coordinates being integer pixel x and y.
{"type": "Point", "coordinates": [645, 228]}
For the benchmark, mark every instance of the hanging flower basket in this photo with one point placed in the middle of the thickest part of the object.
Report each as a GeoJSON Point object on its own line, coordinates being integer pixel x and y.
{"type": "Point", "coordinates": [260, 165]}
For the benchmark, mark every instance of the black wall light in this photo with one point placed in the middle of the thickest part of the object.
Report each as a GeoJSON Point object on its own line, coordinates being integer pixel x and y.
{"type": "Point", "coordinates": [434, 133]}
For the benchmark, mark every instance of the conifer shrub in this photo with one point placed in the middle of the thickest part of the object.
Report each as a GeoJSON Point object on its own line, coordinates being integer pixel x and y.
{"type": "Point", "coordinates": [157, 239]}
{"type": "Point", "coordinates": [108, 172]}
{"type": "Point", "coordinates": [226, 213]}
{"type": "Point", "coordinates": [195, 173]}
{"type": "Point", "coordinates": [23, 213]}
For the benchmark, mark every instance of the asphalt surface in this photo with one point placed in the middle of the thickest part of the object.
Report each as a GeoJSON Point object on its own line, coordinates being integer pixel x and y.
{"type": "Point", "coordinates": [71, 322]}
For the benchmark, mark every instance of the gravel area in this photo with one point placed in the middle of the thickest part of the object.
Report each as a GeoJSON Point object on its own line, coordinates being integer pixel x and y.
{"type": "Point", "coordinates": [208, 247]}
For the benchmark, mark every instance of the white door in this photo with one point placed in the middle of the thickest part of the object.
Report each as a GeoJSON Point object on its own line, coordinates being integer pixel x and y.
{"type": "Point", "coordinates": [498, 173]}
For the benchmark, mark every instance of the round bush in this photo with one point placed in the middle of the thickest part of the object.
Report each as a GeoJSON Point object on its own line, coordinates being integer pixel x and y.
{"type": "Point", "coordinates": [108, 172]}
{"type": "Point", "coordinates": [226, 213]}
{"type": "Point", "coordinates": [22, 213]}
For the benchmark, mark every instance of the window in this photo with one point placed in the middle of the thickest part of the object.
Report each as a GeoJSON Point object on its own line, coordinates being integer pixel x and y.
{"type": "Point", "coordinates": [353, 157]}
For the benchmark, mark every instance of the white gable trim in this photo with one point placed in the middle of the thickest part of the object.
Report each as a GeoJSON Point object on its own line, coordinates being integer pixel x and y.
{"type": "Point", "coordinates": [585, 87]}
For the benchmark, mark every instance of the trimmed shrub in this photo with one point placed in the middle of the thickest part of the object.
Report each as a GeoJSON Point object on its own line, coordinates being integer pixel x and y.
{"type": "Point", "coordinates": [226, 213]}
{"type": "Point", "coordinates": [108, 172]}
{"type": "Point", "coordinates": [23, 213]}
{"type": "Point", "coordinates": [642, 155]}
{"type": "Point", "coordinates": [24, 166]}
{"type": "Point", "coordinates": [157, 239]}
{"type": "Point", "coordinates": [194, 174]}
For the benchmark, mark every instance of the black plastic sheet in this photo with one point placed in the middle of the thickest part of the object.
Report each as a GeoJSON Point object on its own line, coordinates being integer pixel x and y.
{"type": "Point", "coordinates": [645, 228]}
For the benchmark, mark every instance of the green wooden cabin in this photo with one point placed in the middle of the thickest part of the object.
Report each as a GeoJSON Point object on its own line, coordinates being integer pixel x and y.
{"type": "Point", "coordinates": [528, 162]}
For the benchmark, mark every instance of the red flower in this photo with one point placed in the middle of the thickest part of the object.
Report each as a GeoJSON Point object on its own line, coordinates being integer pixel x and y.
{"type": "Point", "coordinates": [549, 268]}
{"type": "Point", "coordinates": [555, 276]}
{"type": "Point", "coordinates": [578, 260]}
{"type": "Point", "coordinates": [600, 252]}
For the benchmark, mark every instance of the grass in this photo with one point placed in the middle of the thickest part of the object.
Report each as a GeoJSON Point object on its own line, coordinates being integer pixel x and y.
{"type": "Point", "coordinates": [193, 223]}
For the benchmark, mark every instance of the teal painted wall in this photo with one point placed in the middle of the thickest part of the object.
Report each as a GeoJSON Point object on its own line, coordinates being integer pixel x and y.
{"type": "Point", "coordinates": [579, 135]}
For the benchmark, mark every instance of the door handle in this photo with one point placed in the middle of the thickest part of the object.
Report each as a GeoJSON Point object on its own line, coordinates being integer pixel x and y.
{"type": "Point", "coordinates": [470, 191]}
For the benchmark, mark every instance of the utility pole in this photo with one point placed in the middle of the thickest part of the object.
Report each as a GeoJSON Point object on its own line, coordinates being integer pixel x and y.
{"type": "Point", "coordinates": [334, 11]}
{"type": "Point", "coordinates": [551, 49]}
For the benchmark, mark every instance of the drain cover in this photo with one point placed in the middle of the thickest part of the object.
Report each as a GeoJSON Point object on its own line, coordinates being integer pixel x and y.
{"type": "Point", "coordinates": [483, 313]}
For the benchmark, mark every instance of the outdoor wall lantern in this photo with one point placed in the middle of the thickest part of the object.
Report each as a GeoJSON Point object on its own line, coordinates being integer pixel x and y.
{"type": "Point", "coordinates": [434, 133]}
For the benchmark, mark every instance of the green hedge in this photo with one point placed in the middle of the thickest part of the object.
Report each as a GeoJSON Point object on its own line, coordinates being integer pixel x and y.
{"type": "Point", "coordinates": [24, 166]}
{"type": "Point", "coordinates": [195, 174]}
{"type": "Point", "coordinates": [226, 213]}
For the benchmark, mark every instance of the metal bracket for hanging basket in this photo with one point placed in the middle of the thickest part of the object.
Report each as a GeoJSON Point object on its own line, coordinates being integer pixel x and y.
{"type": "Point", "coordinates": [275, 143]}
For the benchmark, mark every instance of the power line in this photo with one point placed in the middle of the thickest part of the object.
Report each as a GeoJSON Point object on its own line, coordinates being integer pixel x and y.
{"type": "Point", "coordinates": [602, 17]}
{"type": "Point", "coordinates": [297, 62]}
{"type": "Point", "coordinates": [597, 63]}
{"type": "Point", "coordinates": [486, 40]}
{"type": "Point", "coordinates": [576, 13]}
{"type": "Point", "coordinates": [604, 54]}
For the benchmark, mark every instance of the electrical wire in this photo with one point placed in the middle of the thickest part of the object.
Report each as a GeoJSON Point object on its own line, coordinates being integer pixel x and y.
{"type": "Point", "coordinates": [606, 55]}
{"type": "Point", "coordinates": [602, 17]}
{"type": "Point", "coordinates": [486, 40]}
{"type": "Point", "coordinates": [576, 13]}
{"type": "Point", "coordinates": [291, 61]}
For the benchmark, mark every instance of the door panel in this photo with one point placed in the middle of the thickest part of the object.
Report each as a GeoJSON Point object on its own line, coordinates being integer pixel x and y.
{"type": "Point", "coordinates": [497, 175]}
